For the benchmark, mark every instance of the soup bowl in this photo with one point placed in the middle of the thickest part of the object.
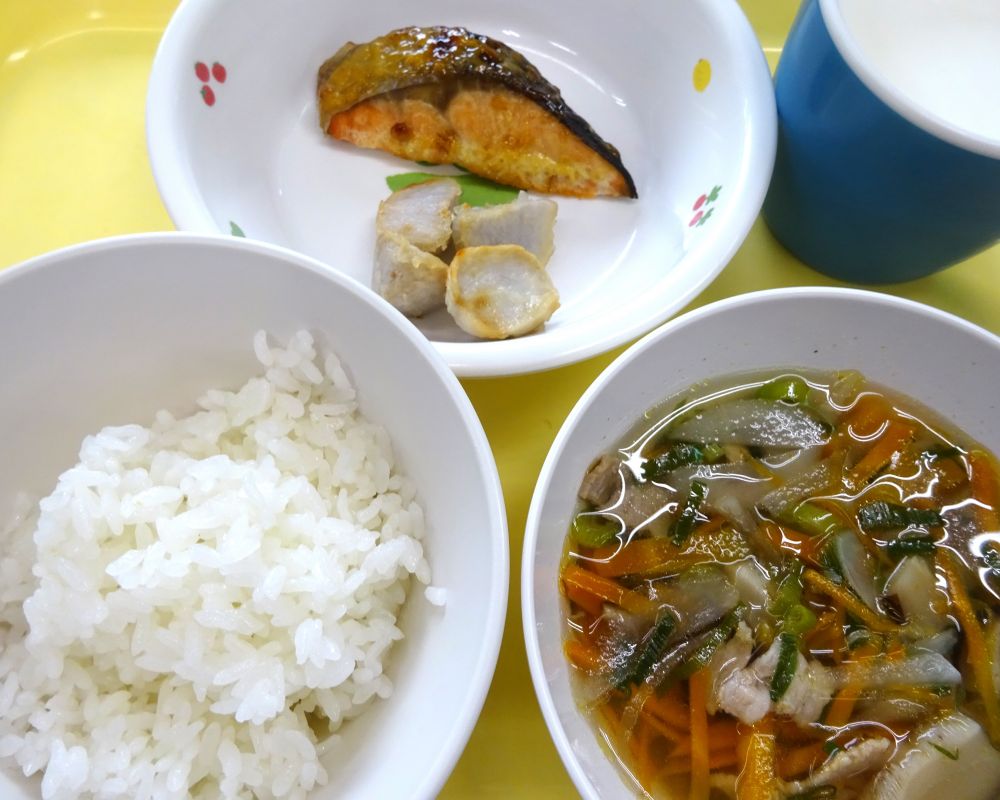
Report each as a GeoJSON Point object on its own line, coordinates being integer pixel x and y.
{"type": "Point", "coordinates": [944, 363]}
{"type": "Point", "coordinates": [109, 332]}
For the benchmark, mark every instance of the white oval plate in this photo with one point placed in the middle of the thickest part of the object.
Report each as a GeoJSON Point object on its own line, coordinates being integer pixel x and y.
{"type": "Point", "coordinates": [680, 87]}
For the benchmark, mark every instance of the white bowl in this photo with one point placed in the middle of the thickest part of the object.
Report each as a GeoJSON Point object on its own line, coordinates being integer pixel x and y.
{"type": "Point", "coordinates": [257, 156]}
{"type": "Point", "coordinates": [111, 331]}
{"type": "Point", "coordinates": [947, 364]}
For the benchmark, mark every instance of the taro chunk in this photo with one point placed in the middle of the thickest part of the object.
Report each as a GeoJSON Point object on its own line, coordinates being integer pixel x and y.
{"type": "Point", "coordinates": [498, 291]}
{"type": "Point", "coordinates": [528, 221]}
{"type": "Point", "coordinates": [421, 213]}
{"type": "Point", "coordinates": [412, 280]}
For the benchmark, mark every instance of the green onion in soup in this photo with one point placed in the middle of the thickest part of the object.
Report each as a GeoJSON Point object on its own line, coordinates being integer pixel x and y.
{"type": "Point", "coordinates": [788, 586]}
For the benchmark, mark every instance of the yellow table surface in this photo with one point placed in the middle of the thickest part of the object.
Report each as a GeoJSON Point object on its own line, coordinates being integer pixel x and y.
{"type": "Point", "coordinates": [73, 167]}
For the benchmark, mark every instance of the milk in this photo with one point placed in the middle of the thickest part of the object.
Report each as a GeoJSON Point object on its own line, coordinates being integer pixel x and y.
{"type": "Point", "coordinates": [942, 55]}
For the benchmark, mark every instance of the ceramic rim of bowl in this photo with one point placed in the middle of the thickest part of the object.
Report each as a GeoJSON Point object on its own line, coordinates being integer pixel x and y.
{"type": "Point", "coordinates": [437, 773]}
{"type": "Point", "coordinates": [600, 383]}
{"type": "Point", "coordinates": [885, 91]}
{"type": "Point", "coordinates": [179, 191]}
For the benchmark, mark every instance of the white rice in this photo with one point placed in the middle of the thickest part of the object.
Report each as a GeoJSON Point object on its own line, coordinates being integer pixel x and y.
{"type": "Point", "coordinates": [191, 595]}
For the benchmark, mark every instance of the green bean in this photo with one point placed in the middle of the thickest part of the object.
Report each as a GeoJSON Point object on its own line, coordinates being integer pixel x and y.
{"type": "Point", "coordinates": [790, 389]}
{"type": "Point", "coordinates": [789, 591]}
{"type": "Point", "coordinates": [880, 515]}
{"type": "Point", "coordinates": [684, 523]}
{"type": "Point", "coordinates": [680, 454]}
{"type": "Point", "coordinates": [941, 451]}
{"type": "Point", "coordinates": [594, 530]}
{"type": "Point", "coordinates": [650, 651]}
{"type": "Point", "coordinates": [816, 793]}
{"type": "Point", "coordinates": [788, 662]}
{"type": "Point", "coordinates": [945, 752]}
{"type": "Point", "coordinates": [815, 521]}
{"type": "Point", "coordinates": [911, 546]}
{"type": "Point", "coordinates": [798, 619]}
{"type": "Point", "coordinates": [717, 637]}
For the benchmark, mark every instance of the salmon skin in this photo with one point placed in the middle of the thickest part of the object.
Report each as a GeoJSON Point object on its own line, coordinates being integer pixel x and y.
{"type": "Point", "coordinates": [445, 95]}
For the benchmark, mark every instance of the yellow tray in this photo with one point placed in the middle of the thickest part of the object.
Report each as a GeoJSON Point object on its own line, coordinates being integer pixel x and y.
{"type": "Point", "coordinates": [73, 167]}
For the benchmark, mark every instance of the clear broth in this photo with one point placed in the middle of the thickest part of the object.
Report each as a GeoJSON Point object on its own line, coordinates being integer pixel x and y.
{"type": "Point", "coordinates": [825, 527]}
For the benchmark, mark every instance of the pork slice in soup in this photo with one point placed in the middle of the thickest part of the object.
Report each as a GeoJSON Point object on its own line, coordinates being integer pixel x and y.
{"type": "Point", "coordinates": [788, 586]}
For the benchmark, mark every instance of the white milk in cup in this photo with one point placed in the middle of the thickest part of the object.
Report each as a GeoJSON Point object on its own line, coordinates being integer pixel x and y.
{"type": "Point", "coordinates": [942, 56]}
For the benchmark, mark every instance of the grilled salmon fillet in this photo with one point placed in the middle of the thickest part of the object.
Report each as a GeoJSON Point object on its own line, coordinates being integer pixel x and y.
{"type": "Point", "coordinates": [448, 96]}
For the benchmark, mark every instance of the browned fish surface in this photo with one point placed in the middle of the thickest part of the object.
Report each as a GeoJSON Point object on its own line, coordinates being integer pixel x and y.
{"type": "Point", "coordinates": [447, 96]}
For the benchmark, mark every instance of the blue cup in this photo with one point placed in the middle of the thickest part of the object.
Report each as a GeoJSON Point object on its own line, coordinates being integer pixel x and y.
{"type": "Point", "coordinates": [868, 187]}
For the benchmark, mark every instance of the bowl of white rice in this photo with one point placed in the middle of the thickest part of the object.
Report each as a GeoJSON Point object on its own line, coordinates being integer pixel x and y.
{"type": "Point", "coordinates": [252, 538]}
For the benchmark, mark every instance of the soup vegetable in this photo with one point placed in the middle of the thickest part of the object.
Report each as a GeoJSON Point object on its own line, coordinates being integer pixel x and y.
{"type": "Point", "coordinates": [788, 587]}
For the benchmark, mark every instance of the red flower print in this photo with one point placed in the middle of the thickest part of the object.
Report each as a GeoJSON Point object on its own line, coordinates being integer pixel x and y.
{"type": "Point", "coordinates": [702, 207]}
{"type": "Point", "coordinates": [203, 73]}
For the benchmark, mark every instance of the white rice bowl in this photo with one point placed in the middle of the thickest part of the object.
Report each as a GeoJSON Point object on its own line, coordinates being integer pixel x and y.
{"type": "Point", "coordinates": [192, 596]}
